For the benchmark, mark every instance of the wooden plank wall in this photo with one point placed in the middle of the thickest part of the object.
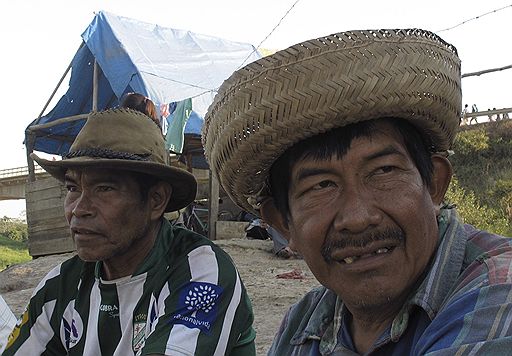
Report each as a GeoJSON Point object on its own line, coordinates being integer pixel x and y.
{"type": "Point", "coordinates": [48, 231]}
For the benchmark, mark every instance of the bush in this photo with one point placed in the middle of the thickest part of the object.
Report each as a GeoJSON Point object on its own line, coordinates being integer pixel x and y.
{"type": "Point", "coordinates": [473, 212]}
{"type": "Point", "coordinates": [13, 229]}
{"type": "Point", "coordinates": [12, 252]}
{"type": "Point", "coordinates": [471, 141]}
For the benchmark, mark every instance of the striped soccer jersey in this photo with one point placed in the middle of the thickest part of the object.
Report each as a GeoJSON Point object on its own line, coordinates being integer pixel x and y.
{"type": "Point", "coordinates": [186, 298]}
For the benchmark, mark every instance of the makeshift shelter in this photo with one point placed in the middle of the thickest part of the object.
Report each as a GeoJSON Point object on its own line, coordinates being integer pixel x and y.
{"type": "Point", "coordinates": [120, 55]}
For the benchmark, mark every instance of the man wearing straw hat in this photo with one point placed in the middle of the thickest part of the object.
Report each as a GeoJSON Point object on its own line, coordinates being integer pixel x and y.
{"type": "Point", "coordinates": [138, 285]}
{"type": "Point", "coordinates": [341, 143]}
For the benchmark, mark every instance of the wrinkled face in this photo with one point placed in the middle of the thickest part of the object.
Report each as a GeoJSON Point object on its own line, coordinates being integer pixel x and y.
{"type": "Point", "coordinates": [365, 223]}
{"type": "Point", "coordinates": [106, 214]}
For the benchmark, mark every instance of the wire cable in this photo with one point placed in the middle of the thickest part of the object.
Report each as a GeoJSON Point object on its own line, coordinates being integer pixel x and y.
{"type": "Point", "coordinates": [475, 18]}
{"type": "Point", "coordinates": [271, 32]}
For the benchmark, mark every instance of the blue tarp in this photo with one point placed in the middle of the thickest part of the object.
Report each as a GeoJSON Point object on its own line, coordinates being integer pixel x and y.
{"type": "Point", "coordinates": [165, 64]}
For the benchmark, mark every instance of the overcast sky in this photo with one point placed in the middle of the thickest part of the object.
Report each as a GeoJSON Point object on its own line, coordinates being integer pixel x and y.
{"type": "Point", "coordinates": [39, 38]}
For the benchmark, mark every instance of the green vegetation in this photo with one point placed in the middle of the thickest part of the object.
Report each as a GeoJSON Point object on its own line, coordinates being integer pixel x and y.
{"type": "Point", "coordinates": [482, 189]}
{"type": "Point", "coordinates": [13, 242]}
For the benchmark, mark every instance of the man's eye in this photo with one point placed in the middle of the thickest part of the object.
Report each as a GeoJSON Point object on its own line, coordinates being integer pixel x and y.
{"type": "Point", "coordinates": [71, 188]}
{"type": "Point", "coordinates": [324, 184]}
{"type": "Point", "coordinates": [105, 188]}
{"type": "Point", "coordinates": [385, 169]}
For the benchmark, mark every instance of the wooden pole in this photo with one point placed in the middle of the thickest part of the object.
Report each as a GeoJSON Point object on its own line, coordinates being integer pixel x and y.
{"type": "Point", "coordinates": [213, 205]}
{"type": "Point", "coordinates": [58, 84]}
{"type": "Point", "coordinates": [473, 74]}
{"type": "Point", "coordinates": [95, 86]}
{"type": "Point", "coordinates": [30, 140]}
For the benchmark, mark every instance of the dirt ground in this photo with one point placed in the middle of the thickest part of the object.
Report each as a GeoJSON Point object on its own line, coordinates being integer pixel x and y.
{"type": "Point", "coordinates": [259, 268]}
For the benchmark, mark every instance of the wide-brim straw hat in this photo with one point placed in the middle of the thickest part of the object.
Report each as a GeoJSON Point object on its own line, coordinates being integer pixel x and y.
{"type": "Point", "coordinates": [128, 140]}
{"type": "Point", "coordinates": [312, 87]}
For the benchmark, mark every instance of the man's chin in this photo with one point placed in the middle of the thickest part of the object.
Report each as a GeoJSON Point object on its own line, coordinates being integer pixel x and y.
{"type": "Point", "coordinates": [87, 256]}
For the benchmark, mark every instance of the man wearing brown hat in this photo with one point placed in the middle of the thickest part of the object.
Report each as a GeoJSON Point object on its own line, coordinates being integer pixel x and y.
{"type": "Point", "coordinates": [138, 286]}
{"type": "Point", "coordinates": [341, 143]}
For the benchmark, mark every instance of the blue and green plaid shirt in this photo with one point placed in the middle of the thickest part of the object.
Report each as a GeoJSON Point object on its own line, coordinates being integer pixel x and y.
{"type": "Point", "coordinates": [462, 307]}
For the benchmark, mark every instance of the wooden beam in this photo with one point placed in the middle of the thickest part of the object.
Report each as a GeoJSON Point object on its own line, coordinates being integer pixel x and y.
{"type": "Point", "coordinates": [485, 71]}
{"type": "Point", "coordinates": [213, 205]}
{"type": "Point", "coordinates": [63, 120]}
{"type": "Point", "coordinates": [488, 112]}
{"type": "Point", "coordinates": [58, 84]}
{"type": "Point", "coordinates": [95, 86]}
{"type": "Point", "coordinates": [30, 141]}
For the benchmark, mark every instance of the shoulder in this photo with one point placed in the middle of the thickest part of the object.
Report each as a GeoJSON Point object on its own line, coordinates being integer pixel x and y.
{"type": "Point", "coordinates": [63, 273]}
{"type": "Point", "coordinates": [194, 247]}
{"type": "Point", "coordinates": [488, 258]}
{"type": "Point", "coordinates": [308, 318]}
{"type": "Point", "coordinates": [478, 310]}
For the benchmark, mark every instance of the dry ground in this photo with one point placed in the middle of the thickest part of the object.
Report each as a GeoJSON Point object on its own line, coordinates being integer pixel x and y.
{"type": "Point", "coordinates": [258, 267]}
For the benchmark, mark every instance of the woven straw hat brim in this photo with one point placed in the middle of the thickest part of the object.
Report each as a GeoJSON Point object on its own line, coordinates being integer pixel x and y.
{"type": "Point", "coordinates": [182, 182]}
{"type": "Point", "coordinates": [318, 85]}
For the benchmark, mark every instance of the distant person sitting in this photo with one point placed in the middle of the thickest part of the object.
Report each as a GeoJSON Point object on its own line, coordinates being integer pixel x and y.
{"type": "Point", "coordinates": [280, 247]}
{"type": "Point", "coordinates": [257, 230]}
{"type": "Point", "coordinates": [140, 103]}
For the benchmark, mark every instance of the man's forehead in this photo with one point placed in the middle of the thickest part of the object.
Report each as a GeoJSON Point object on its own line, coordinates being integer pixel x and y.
{"type": "Point", "coordinates": [97, 173]}
{"type": "Point", "coordinates": [382, 132]}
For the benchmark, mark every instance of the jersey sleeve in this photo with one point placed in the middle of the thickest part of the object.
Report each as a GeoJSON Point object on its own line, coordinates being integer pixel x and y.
{"type": "Point", "coordinates": [34, 332]}
{"type": "Point", "coordinates": [203, 308]}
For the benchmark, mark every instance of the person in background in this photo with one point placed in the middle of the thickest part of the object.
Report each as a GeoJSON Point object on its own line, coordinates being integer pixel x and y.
{"type": "Point", "coordinates": [7, 322]}
{"type": "Point", "coordinates": [280, 246]}
{"type": "Point", "coordinates": [138, 285]}
{"type": "Point", "coordinates": [140, 103]}
{"type": "Point", "coordinates": [341, 143]}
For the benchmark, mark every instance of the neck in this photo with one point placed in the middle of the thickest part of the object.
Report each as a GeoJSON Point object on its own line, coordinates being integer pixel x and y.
{"type": "Point", "coordinates": [126, 263]}
{"type": "Point", "coordinates": [366, 327]}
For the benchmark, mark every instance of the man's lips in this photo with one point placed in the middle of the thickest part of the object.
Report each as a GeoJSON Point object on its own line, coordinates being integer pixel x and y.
{"type": "Point", "coordinates": [77, 230]}
{"type": "Point", "coordinates": [351, 254]}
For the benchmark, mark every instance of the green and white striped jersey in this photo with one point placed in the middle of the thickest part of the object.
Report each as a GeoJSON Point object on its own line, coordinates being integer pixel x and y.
{"type": "Point", "coordinates": [186, 298]}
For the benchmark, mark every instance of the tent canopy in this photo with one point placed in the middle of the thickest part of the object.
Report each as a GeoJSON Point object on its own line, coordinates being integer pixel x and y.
{"type": "Point", "coordinates": [165, 64]}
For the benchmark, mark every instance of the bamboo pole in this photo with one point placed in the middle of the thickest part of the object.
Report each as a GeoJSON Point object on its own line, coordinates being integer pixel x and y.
{"type": "Point", "coordinates": [95, 86]}
{"type": "Point", "coordinates": [213, 205]}
{"type": "Point", "coordinates": [485, 71]}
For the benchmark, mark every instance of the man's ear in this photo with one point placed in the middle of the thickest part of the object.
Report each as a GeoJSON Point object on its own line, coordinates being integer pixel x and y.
{"type": "Point", "coordinates": [159, 196]}
{"type": "Point", "coordinates": [441, 178]}
{"type": "Point", "coordinates": [274, 218]}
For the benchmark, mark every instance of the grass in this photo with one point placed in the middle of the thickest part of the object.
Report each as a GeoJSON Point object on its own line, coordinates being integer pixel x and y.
{"type": "Point", "coordinates": [12, 252]}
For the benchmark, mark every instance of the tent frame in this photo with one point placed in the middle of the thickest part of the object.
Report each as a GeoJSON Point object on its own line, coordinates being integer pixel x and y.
{"type": "Point", "coordinates": [32, 132]}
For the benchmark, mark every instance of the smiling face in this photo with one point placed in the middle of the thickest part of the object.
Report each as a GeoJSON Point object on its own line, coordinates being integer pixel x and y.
{"type": "Point", "coordinates": [108, 217]}
{"type": "Point", "coordinates": [365, 221]}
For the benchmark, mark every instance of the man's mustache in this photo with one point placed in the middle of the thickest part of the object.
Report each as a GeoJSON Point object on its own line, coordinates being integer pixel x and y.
{"type": "Point", "coordinates": [360, 241]}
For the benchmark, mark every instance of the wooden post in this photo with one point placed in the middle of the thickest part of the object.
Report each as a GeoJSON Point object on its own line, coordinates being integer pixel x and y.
{"type": "Point", "coordinates": [95, 87]}
{"type": "Point", "coordinates": [30, 141]}
{"type": "Point", "coordinates": [213, 205]}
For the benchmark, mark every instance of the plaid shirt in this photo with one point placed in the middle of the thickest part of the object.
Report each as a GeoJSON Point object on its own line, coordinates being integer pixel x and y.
{"type": "Point", "coordinates": [462, 307]}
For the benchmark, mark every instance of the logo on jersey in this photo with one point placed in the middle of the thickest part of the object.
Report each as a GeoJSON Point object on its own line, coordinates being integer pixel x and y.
{"type": "Point", "coordinates": [16, 331]}
{"type": "Point", "coordinates": [112, 310]}
{"type": "Point", "coordinates": [139, 333]}
{"type": "Point", "coordinates": [71, 327]}
{"type": "Point", "coordinates": [197, 307]}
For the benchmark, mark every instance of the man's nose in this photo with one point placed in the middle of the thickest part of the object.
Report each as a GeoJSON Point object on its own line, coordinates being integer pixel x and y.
{"type": "Point", "coordinates": [357, 210]}
{"type": "Point", "coordinates": [83, 205]}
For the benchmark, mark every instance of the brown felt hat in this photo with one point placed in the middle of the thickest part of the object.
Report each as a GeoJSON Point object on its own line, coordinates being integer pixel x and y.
{"type": "Point", "coordinates": [318, 85]}
{"type": "Point", "coordinates": [129, 140]}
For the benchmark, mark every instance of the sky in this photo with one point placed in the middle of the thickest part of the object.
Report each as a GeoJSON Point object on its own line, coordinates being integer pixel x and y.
{"type": "Point", "coordinates": [39, 39]}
